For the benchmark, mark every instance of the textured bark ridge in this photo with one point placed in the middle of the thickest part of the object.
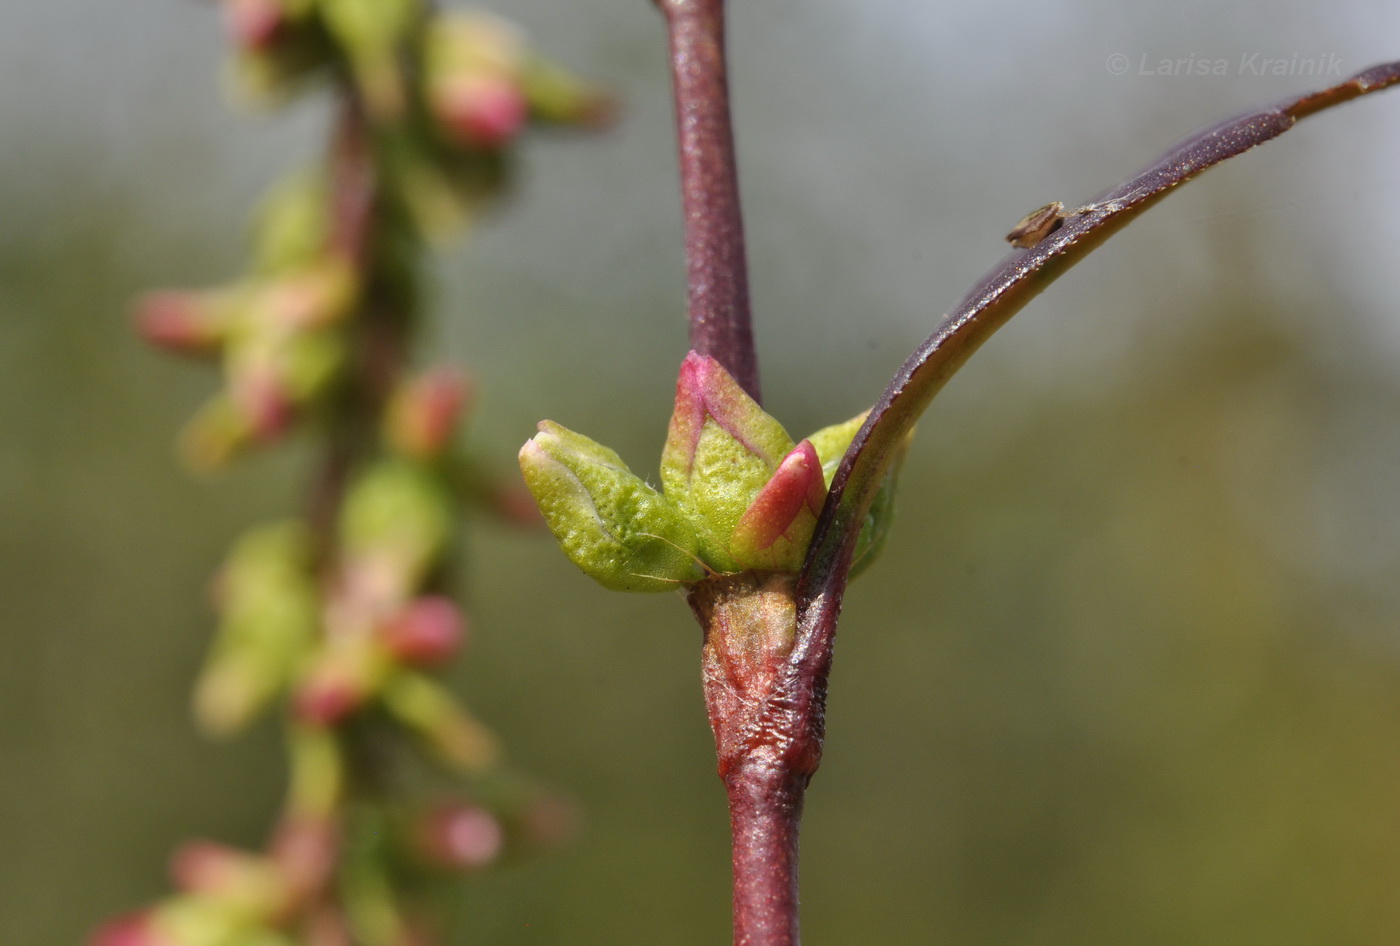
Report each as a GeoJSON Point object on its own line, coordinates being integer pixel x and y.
{"type": "Point", "coordinates": [750, 622]}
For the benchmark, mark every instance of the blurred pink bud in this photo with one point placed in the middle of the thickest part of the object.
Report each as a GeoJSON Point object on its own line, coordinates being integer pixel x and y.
{"type": "Point", "coordinates": [254, 24]}
{"type": "Point", "coordinates": [347, 672]}
{"type": "Point", "coordinates": [776, 528]}
{"type": "Point", "coordinates": [457, 836]}
{"type": "Point", "coordinates": [206, 866]}
{"type": "Point", "coordinates": [265, 402]}
{"type": "Point", "coordinates": [132, 929]}
{"type": "Point", "coordinates": [180, 322]}
{"type": "Point", "coordinates": [328, 928]}
{"type": "Point", "coordinates": [318, 295]}
{"type": "Point", "coordinates": [428, 631]}
{"type": "Point", "coordinates": [425, 411]}
{"type": "Point", "coordinates": [483, 110]}
{"type": "Point", "coordinates": [327, 697]}
{"type": "Point", "coordinates": [305, 850]}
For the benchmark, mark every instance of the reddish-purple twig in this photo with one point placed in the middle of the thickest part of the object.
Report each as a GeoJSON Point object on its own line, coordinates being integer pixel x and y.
{"type": "Point", "coordinates": [997, 297]}
{"type": "Point", "coordinates": [717, 274]}
{"type": "Point", "coordinates": [801, 693]}
{"type": "Point", "coordinates": [765, 759]}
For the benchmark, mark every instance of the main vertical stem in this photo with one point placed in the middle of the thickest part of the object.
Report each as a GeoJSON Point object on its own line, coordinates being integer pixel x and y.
{"type": "Point", "coordinates": [765, 810]}
{"type": "Point", "coordinates": [717, 273]}
{"type": "Point", "coordinates": [355, 197]}
{"type": "Point", "coordinates": [767, 753]}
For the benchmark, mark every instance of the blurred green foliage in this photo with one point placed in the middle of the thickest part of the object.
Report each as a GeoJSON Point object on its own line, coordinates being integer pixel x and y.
{"type": "Point", "coordinates": [1127, 671]}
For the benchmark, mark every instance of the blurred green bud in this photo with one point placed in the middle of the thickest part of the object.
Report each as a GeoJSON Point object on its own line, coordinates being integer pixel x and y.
{"type": "Point", "coordinates": [617, 529]}
{"type": "Point", "coordinates": [452, 735]}
{"type": "Point", "coordinates": [271, 375]}
{"type": "Point", "coordinates": [395, 524]}
{"type": "Point", "coordinates": [269, 617]}
{"type": "Point", "coordinates": [306, 848]}
{"type": "Point", "coordinates": [441, 190]}
{"type": "Point", "coordinates": [249, 884]}
{"type": "Point", "coordinates": [371, 34]}
{"type": "Point", "coordinates": [317, 779]}
{"type": "Point", "coordinates": [272, 372]}
{"type": "Point", "coordinates": [215, 434]}
{"type": "Point", "coordinates": [721, 450]}
{"type": "Point", "coordinates": [558, 97]}
{"type": "Point", "coordinates": [278, 43]}
{"type": "Point", "coordinates": [262, 396]}
{"type": "Point", "coordinates": [292, 227]}
{"type": "Point", "coordinates": [198, 920]}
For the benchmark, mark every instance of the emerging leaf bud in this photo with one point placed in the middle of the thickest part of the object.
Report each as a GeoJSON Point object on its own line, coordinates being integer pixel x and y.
{"type": "Point", "coordinates": [721, 449]}
{"type": "Point", "coordinates": [617, 529]}
{"type": "Point", "coordinates": [831, 443]}
{"type": "Point", "coordinates": [774, 531]}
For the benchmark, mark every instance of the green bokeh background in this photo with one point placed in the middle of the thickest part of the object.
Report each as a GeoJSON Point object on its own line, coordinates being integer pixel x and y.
{"type": "Point", "coordinates": [1129, 669]}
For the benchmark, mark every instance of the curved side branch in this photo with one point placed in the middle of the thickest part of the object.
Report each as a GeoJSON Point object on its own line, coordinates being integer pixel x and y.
{"type": "Point", "coordinates": [1000, 295]}
{"type": "Point", "coordinates": [716, 271]}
